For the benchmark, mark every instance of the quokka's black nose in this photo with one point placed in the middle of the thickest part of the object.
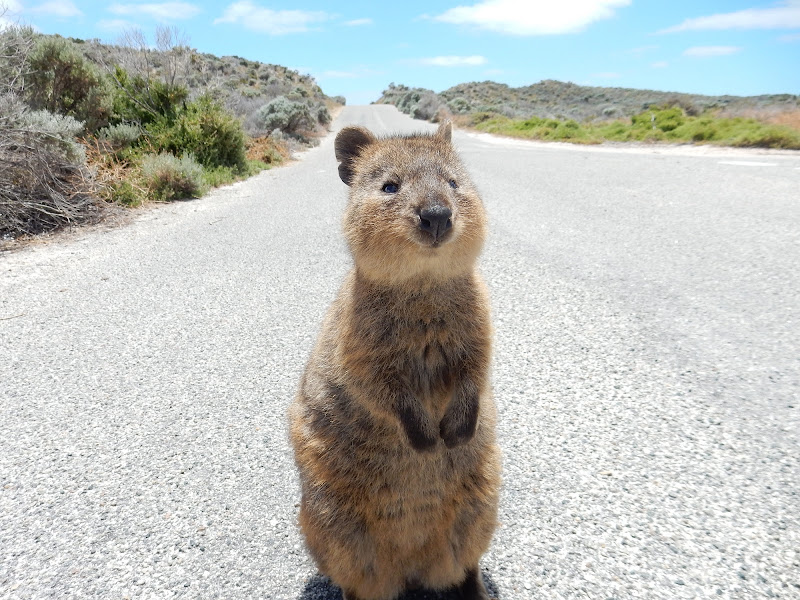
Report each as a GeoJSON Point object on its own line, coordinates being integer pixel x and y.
{"type": "Point", "coordinates": [436, 220]}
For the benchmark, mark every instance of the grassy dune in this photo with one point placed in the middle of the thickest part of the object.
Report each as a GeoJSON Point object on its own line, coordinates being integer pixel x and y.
{"type": "Point", "coordinates": [670, 124]}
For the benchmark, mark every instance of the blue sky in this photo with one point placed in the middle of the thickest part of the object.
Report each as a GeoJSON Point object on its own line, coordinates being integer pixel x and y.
{"type": "Point", "coordinates": [741, 47]}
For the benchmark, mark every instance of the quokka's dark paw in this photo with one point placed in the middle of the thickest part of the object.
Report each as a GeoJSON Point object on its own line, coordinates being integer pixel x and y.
{"type": "Point", "coordinates": [420, 431]}
{"type": "Point", "coordinates": [472, 588]}
{"type": "Point", "coordinates": [458, 428]}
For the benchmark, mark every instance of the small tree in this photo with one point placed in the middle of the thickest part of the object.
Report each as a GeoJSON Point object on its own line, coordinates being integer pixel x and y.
{"type": "Point", "coordinates": [62, 81]}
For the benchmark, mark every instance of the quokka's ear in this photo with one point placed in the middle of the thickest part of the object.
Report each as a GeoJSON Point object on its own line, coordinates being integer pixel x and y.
{"type": "Point", "coordinates": [445, 131]}
{"type": "Point", "coordinates": [350, 142]}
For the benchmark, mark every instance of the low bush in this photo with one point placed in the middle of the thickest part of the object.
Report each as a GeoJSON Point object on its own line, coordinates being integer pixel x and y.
{"type": "Point", "coordinates": [44, 182]}
{"type": "Point", "coordinates": [170, 178]}
{"type": "Point", "coordinates": [123, 135]}
{"type": "Point", "coordinates": [286, 115]}
{"type": "Point", "coordinates": [205, 130]}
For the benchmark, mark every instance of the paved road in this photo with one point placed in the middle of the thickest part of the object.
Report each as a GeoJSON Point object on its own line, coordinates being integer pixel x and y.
{"type": "Point", "coordinates": [646, 372]}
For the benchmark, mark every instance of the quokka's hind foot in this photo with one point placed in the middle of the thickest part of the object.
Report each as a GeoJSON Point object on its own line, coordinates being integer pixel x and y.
{"type": "Point", "coordinates": [472, 587]}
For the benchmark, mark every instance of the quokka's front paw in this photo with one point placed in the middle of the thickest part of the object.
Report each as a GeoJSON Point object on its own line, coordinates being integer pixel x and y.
{"type": "Point", "coordinates": [459, 423]}
{"type": "Point", "coordinates": [421, 433]}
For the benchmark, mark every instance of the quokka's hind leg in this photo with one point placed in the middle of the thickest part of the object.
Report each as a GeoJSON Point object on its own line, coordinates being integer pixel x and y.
{"type": "Point", "coordinates": [472, 587]}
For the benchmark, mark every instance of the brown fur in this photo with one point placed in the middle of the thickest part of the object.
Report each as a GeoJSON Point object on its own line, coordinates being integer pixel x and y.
{"type": "Point", "coordinates": [393, 425]}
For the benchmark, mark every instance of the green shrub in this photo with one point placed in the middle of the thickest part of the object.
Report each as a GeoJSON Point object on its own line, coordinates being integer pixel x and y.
{"type": "Point", "coordinates": [665, 119]}
{"type": "Point", "coordinates": [123, 192]}
{"type": "Point", "coordinates": [170, 178]}
{"type": "Point", "coordinates": [62, 81]}
{"type": "Point", "coordinates": [205, 130]}
{"type": "Point", "coordinates": [459, 106]}
{"type": "Point", "coordinates": [219, 176]}
{"type": "Point", "coordinates": [284, 114]}
{"type": "Point", "coordinates": [143, 100]}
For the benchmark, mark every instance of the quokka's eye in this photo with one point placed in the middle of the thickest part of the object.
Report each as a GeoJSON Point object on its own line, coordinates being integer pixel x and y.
{"type": "Point", "coordinates": [453, 183]}
{"type": "Point", "coordinates": [390, 188]}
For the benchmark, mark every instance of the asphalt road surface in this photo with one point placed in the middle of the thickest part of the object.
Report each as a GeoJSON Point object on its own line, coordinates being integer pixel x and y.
{"type": "Point", "coordinates": [646, 372]}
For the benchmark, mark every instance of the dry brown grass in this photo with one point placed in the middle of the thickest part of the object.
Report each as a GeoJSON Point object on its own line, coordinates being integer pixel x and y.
{"type": "Point", "coordinates": [790, 118]}
{"type": "Point", "coordinates": [267, 150]}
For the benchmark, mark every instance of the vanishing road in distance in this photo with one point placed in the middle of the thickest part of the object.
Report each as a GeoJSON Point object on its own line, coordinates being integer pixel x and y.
{"type": "Point", "coordinates": [646, 370]}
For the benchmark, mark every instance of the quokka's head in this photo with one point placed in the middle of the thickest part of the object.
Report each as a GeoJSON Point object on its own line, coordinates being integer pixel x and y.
{"type": "Point", "coordinates": [413, 213]}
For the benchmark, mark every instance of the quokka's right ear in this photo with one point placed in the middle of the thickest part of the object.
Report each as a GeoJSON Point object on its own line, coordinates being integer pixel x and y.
{"type": "Point", "coordinates": [350, 142]}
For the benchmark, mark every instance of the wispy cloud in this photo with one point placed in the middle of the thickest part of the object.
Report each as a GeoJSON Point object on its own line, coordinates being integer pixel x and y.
{"type": "Point", "coordinates": [166, 11]}
{"type": "Point", "coordinates": [273, 22]}
{"type": "Point", "coordinates": [705, 51]}
{"type": "Point", "coordinates": [791, 37]}
{"type": "Point", "coordinates": [606, 75]}
{"type": "Point", "coordinates": [358, 22]}
{"type": "Point", "coordinates": [63, 9]}
{"type": "Point", "coordinates": [522, 17]}
{"type": "Point", "coordinates": [9, 12]}
{"type": "Point", "coordinates": [784, 15]}
{"type": "Point", "coordinates": [450, 61]}
{"type": "Point", "coordinates": [660, 64]}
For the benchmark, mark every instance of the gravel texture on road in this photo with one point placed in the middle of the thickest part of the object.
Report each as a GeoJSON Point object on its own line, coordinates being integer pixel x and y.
{"type": "Point", "coordinates": [646, 370]}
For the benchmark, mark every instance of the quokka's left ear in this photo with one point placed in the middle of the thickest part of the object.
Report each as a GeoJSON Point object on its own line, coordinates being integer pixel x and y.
{"type": "Point", "coordinates": [349, 143]}
{"type": "Point", "coordinates": [445, 131]}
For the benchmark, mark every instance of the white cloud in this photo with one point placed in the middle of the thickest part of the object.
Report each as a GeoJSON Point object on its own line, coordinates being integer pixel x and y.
{"type": "Point", "coordinates": [661, 64]}
{"type": "Point", "coordinates": [451, 61]}
{"type": "Point", "coordinates": [785, 15]}
{"type": "Point", "coordinates": [12, 7]}
{"type": "Point", "coordinates": [791, 37]}
{"type": "Point", "coordinates": [357, 22]}
{"type": "Point", "coordinates": [273, 22]}
{"type": "Point", "coordinates": [9, 13]}
{"type": "Point", "coordinates": [704, 51]}
{"type": "Point", "coordinates": [166, 11]}
{"type": "Point", "coordinates": [63, 9]}
{"type": "Point", "coordinates": [522, 17]}
{"type": "Point", "coordinates": [606, 75]}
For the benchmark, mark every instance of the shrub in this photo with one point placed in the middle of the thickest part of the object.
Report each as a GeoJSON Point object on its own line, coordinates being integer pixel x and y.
{"type": "Point", "coordinates": [44, 183]}
{"type": "Point", "coordinates": [120, 136]}
{"type": "Point", "coordinates": [62, 81]}
{"type": "Point", "coordinates": [665, 119]}
{"type": "Point", "coordinates": [427, 107]}
{"type": "Point", "coordinates": [323, 115]}
{"type": "Point", "coordinates": [55, 132]}
{"type": "Point", "coordinates": [459, 106]}
{"type": "Point", "coordinates": [205, 130]}
{"type": "Point", "coordinates": [143, 100]}
{"type": "Point", "coordinates": [284, 114]}
{"type": "Point", "coordinates": [171, 178]}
